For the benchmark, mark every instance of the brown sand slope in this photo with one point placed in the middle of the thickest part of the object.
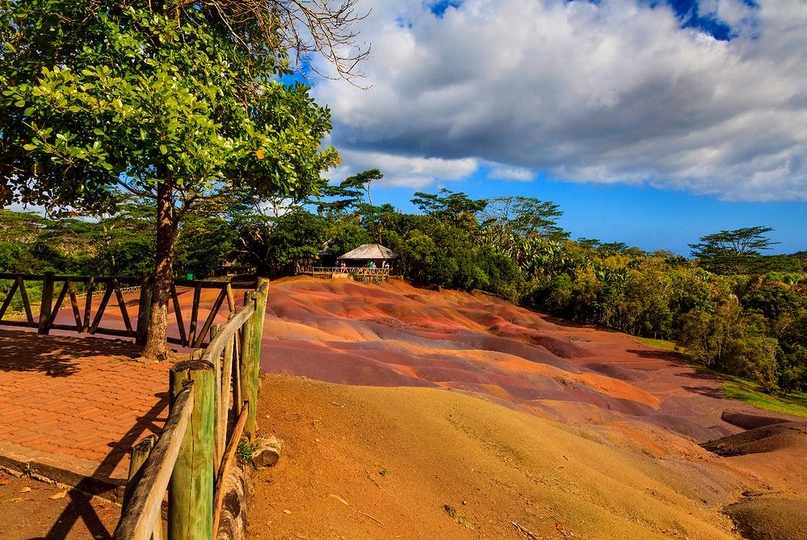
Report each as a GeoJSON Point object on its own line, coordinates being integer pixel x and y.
{"type": "Point", "coordinates": [370, 462]}
{"type": "Point", "coordinates": [457, 415]}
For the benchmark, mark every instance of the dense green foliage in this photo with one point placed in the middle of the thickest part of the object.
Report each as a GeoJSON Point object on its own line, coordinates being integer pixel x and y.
{"type": "Point", "coordinates": [102, 94]}
{"type": "Point", "coordinates": [177, 102]}
{"type": "Point", "coordinates": [118, 245]}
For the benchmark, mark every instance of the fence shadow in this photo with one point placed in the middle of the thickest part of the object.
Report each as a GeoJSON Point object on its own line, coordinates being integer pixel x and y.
{"type": "Point", "coordinates": [79, 507]}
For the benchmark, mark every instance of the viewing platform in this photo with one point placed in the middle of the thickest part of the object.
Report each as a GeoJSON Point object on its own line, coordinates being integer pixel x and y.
{"type": "Point", "coordinates": [359, 273]}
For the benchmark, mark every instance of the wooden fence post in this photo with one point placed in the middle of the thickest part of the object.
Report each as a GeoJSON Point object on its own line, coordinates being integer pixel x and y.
{"type": "Point", "coordinates": [190, 491]}
{"type": "Point", "coordinates": [250, 360]}
{"type": "Point", "coordinates": [46, 305]}
{"type": "Point", "coordinates": [140, 453]}
{"type": "Point", "coordinates": [144, 309]}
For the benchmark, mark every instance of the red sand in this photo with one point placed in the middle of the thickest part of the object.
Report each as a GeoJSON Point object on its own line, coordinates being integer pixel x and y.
{"type": "Point", "coordinates": [604, 386]}
{"type": "Point", "coordinates": [644, 404]}
{"type": "Point", "coordinates": [392, 334]}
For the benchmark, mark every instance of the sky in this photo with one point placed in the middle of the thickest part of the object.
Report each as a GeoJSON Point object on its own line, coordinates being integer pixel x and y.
{"type": "Point", "coordinates": [648, 122]}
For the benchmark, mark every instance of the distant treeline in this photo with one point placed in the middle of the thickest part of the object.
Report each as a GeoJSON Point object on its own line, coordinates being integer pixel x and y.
{"type": "Point", "coordinates": [732, 308]}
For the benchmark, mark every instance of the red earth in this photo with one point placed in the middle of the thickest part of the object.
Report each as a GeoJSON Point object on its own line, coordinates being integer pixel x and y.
{"type": "Point", "coordinates": [412, 413]}
{"type": "Point", "coordinates": [494, 400]}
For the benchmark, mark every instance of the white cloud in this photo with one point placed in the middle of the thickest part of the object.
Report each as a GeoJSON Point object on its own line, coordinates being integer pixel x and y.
{"type": "Point", "coordinates": [416, 172]}
{"type": "Point", "coordinates": [608, 92]}
{"type": "Point", "coordinates": [519, 174]}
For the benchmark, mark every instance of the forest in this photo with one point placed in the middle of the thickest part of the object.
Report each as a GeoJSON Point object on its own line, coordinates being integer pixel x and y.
{"type": "Point", "coordinates": [729, 307]}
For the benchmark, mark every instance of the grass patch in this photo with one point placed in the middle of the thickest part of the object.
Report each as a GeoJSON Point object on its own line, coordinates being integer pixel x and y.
{"type": "Point", "coordinates": [245, 451]}
{"type": "Point", "coordinates": [748, 392]}
{"type": "Point", "coordinates": [734, 387]}
{"type": "Point", "coordinates": [661, 344]}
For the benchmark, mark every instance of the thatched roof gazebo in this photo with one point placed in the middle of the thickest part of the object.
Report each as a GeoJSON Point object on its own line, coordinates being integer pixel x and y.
{"type": "Point", "coordinates": [369, 252]}
{"type": "Point", "coordinates": [368, 261]}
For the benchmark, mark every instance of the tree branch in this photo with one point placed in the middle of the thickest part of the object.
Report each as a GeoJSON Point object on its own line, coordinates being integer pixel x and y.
{"type": "Point", "coordinates": [308, 27]}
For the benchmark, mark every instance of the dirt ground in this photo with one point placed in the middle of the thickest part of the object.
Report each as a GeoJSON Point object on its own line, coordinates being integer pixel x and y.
{"type": "Point", "coordinates": [31, 509]}
{"type": "Point", "coordinates": [407, 413]}
{"type": "Point", "coordinates": [420, 414]}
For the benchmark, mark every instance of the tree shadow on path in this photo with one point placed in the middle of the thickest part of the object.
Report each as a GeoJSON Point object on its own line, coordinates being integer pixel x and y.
{"type": "Point", "coordinates": [54, 355]}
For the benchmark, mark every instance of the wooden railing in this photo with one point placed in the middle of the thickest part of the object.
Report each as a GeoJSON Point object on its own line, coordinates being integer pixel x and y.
{"type": "Point", "coordinates": [87, 318]}
{"type": "Point", "coordinates": [361, 273]}
{"type": "Point", "coordinates": [193, 454]}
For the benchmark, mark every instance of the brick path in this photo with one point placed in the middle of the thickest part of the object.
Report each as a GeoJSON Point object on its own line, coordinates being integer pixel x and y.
{"type": "Point", "coordinates": [76, 405]}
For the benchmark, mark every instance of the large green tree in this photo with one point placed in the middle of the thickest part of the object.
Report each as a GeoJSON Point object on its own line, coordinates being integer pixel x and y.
{"type": "Point", "coordinates": [526, 217]}
{"type": "Point", "coordinates": [734, 251]}
{"type": "Point", "coordinates": [173, 100]}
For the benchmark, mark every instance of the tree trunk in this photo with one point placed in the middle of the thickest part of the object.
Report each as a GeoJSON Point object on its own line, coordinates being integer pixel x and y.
{"type": "Point", "coordinates": [156, 347]}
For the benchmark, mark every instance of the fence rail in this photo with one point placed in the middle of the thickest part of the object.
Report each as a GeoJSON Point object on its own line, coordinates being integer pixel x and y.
{"type": "Point", "coordinates": [361, 273]}
{"type": "Point", "coordinates": [142, 515]}
{"type": "Point", "coordinates": [87, 318]}
{"type": "Point", "coordinates": [194, 454]}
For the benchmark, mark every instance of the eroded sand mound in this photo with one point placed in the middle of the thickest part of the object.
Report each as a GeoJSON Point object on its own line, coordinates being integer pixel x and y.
{"type": "Point", "coordinates": [750, 421]}
{"type": "Point", "coordinates": [394, 335]}
{"type": "Point", "coordinates": [567, 431]}
{"type": "Point", "coordinates": [769, 438]}
{"type": "Point", "coordinates": [771, 517]}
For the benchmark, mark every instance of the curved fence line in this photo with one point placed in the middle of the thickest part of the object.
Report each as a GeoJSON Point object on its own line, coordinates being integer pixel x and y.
{"type": "Point", "coordinates": [194, 453]}
{"type": "Point", "coordinates": [60, 292]}
{"type": "Point", "coordinates": [359, 273]}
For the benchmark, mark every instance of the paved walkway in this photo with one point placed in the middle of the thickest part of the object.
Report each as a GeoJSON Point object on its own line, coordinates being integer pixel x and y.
{"type": "Point", "coordinates": [71, 408]}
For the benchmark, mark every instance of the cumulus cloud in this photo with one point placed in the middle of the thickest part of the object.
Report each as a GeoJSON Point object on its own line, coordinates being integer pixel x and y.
{"type": "Point", "coordinates": [401, 171]}
{"type": "Point", "coordinates": [613, 91]}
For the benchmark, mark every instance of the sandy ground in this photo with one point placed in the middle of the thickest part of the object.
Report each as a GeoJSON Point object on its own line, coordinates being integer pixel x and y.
{"type": "Point", "coordinates": [408, 413]}
{"type": "Point", "coordinates": [420, 414]}
{"type": "Point", "coordinates": [32, 509]}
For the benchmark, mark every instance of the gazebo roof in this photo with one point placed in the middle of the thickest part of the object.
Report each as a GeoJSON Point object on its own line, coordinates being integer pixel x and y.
{"type": "Point", "coordinates": [368, 252]}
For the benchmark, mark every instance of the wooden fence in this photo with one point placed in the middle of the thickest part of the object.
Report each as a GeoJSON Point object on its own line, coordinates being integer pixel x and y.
{"type": "Point", "coordinates": [217, 387]}
{"type": "Point", "coordinates": [360, 273]}
{"type": "Point", "coordinates": [87, 318]}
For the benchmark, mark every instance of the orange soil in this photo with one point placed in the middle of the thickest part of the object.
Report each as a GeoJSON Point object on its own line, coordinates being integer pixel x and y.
{"type": "Point", "coordinates": [408, 413]}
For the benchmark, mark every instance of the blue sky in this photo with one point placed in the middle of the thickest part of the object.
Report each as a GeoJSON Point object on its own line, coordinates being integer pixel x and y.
{"type": "Point", "coordinates": [649, 122]}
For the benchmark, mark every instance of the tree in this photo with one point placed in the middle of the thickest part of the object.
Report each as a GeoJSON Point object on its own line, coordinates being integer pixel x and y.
{"type": "Point", "coordinates": [336, 199]}
{"type": "Point", "coordinates": [206, 243]}
{"type": "Point", "coordinates": [125, 241]}
{"type": "Point", "coordinates": [728, 252]}
{"type": "Point", "coordinates": [363, 181]}
{"type": "Point", "coordinates": [732, 341]}
{"type": "Point", "coordinates": [19, 232]}
{"type": "Point", "coordinates": [176, 101]}
{"type": "Point", "coordinates": [527, 217]}
{"type": "Point", "coordinates": [455, 208]}
{"type": "Point", "coordinates": [277, 244]}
